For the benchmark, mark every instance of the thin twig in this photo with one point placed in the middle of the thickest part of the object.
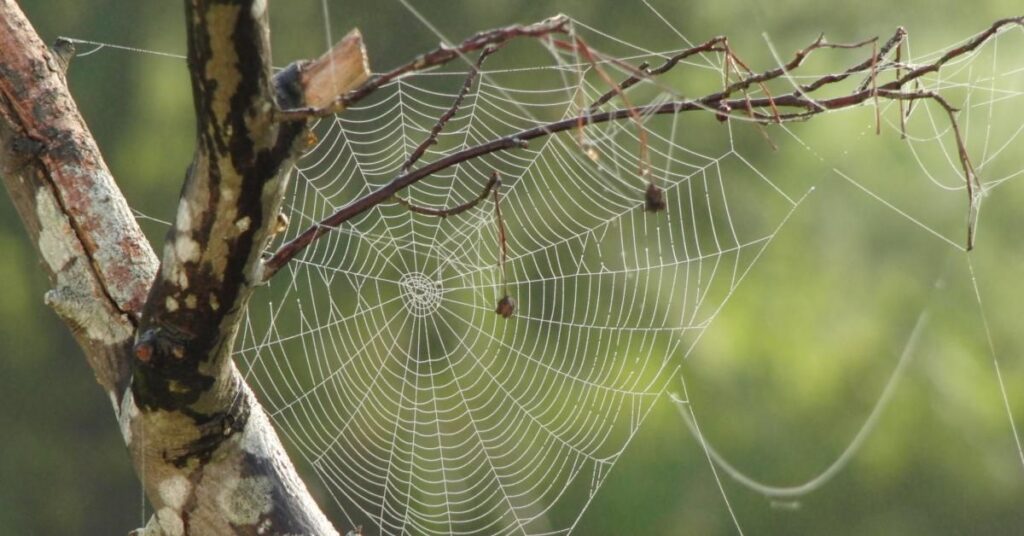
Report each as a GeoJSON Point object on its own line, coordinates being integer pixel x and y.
{"type": "Point", "coordinates": [502, 242]}
{"type": "Point", "coordinates": [642, 73]}
{"type": "Point", "coordinates": [467, 85]}
{"type": "Point", "coordinates": [903, 116]}
{"type": "Point", "coordinates": [804, 108]}
{"type": "Point", "coordinates": [454, 211]}
{"type": "Point", "coordinates": [874, 89]}
{"type": "Point", "coordinates": [434, 58]}
{"type": "Point", "coordinates": [970, 175]}
{"type": "Point", "coordinates": [755, 78]}
{"type": "Point", "coordinates": [969, 46]}
{"type": "Point", "coordinates": [829, 79]}
{"type": "Point", "coordinates": [506, 304]}
{"type": "Point", "coordinates": [632, 80]}
{"type": "Point", "coordinates": [581, 46]}
{"type": "Point", "coordinates": [731, 62]}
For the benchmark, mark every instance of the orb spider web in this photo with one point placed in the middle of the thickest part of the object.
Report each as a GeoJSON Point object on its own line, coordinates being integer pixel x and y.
{"type": "Point", "coordinates": [379, 354]}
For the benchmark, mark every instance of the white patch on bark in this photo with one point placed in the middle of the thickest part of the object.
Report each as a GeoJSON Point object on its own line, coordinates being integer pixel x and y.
{"type": "Point", "coordinates": [243, 224]}
{"type": "Point", "coordinates": [183, 222]}
{"type": "Point", "coordinates": [190, 301]}
{"type": "Point", "coordinates": [174, 271]}
{"type": "Point", "coordinates": [258, 269]}
{"type": "Point", "coordinates": [113, 402]}
{"type": "Point", "coordinates": [151, 529]}
{"type": "Point", "coordinates": [111, 232]}
{"type": "Point", "coordinates": [127, 415]}
{"type": "Point", "coordinates": [182, 278]}
{"type": "Point", "coordinates": [170, 522]}
{"type": "Point", "coordinates": [186, 248]}
{"type": "Point", "coordinates": [76, 297]}
{"type": "Point", "coordinates": [55, 233]}
{"type": "Point", "coordinates": [259, 7]}
{"type": "Point", "coordinates": [248, 499]}
{"type": "Point", "coordinates": [253, 439]}
{"type": "Point", "coordinates": [171, 304]}
{"type": "Point", "coordinates": [174, 491]}
{"type": "Point", "coordinates": [259, 439]}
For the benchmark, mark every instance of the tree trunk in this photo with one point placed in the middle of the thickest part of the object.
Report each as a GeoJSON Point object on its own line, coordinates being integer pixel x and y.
{"type": "Point", "coordinates": [160, 339]}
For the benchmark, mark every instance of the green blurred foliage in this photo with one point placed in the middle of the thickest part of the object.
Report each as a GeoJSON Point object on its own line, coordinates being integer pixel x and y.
{"type": "Point", "coordinates": [780, 382]}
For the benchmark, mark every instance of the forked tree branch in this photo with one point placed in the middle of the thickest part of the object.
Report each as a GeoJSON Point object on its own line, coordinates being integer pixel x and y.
{"type": "Point", "coordinates": [160, 343]}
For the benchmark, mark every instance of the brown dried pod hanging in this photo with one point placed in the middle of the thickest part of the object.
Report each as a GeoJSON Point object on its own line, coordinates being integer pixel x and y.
{"type": "Point", "coordinates": [654, 198]}
{"type": "Point", "coordinates": [506, 306]}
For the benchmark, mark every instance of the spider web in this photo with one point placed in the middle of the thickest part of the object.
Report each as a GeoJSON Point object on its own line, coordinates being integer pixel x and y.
{"type": "Point", "coordinates": [378, 353]}
{"type": "Point", "coordinates": [382, 359]}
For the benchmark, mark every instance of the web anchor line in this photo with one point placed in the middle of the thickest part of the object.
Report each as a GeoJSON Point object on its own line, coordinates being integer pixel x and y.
{"type": "Point", "coordinates": [686, 411]}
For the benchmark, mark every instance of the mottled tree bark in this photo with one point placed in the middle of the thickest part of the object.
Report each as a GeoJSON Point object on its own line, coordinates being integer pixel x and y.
{"type": "Point", "coordinates": [160, 340]}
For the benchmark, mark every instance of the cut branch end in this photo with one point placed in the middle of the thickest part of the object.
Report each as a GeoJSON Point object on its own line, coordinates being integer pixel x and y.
{"type": "Point", "coordinates": [339, 70]}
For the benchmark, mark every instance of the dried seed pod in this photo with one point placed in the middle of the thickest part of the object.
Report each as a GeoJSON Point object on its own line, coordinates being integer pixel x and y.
{"type": "Point", "coordinates": [722, 115]}
{"type": "Point", "coordinates": [506, 306]}
{"type": "Point", "coordinates": [654, 198]}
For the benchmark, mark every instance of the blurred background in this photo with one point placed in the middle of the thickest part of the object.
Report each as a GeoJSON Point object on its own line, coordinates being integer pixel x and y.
{"type": "Point", "coordinates": [781, 381]}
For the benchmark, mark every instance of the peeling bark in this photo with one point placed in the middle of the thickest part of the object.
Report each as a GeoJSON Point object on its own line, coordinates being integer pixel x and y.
{"type": "Point", "coordinates": [160, 341]}
{"type": "Point", "coordinates": [98, 260]}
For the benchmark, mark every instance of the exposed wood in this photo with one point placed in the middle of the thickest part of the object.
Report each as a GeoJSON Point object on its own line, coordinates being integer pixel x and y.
{"type": "Point", "coordinates": [343, 68]}
{"type": "Point", "coordinates": [429, 60]}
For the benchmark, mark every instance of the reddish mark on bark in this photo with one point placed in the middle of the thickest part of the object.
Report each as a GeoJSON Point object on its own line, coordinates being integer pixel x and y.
{"type": "Point", "coordinates": [144, 351]}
